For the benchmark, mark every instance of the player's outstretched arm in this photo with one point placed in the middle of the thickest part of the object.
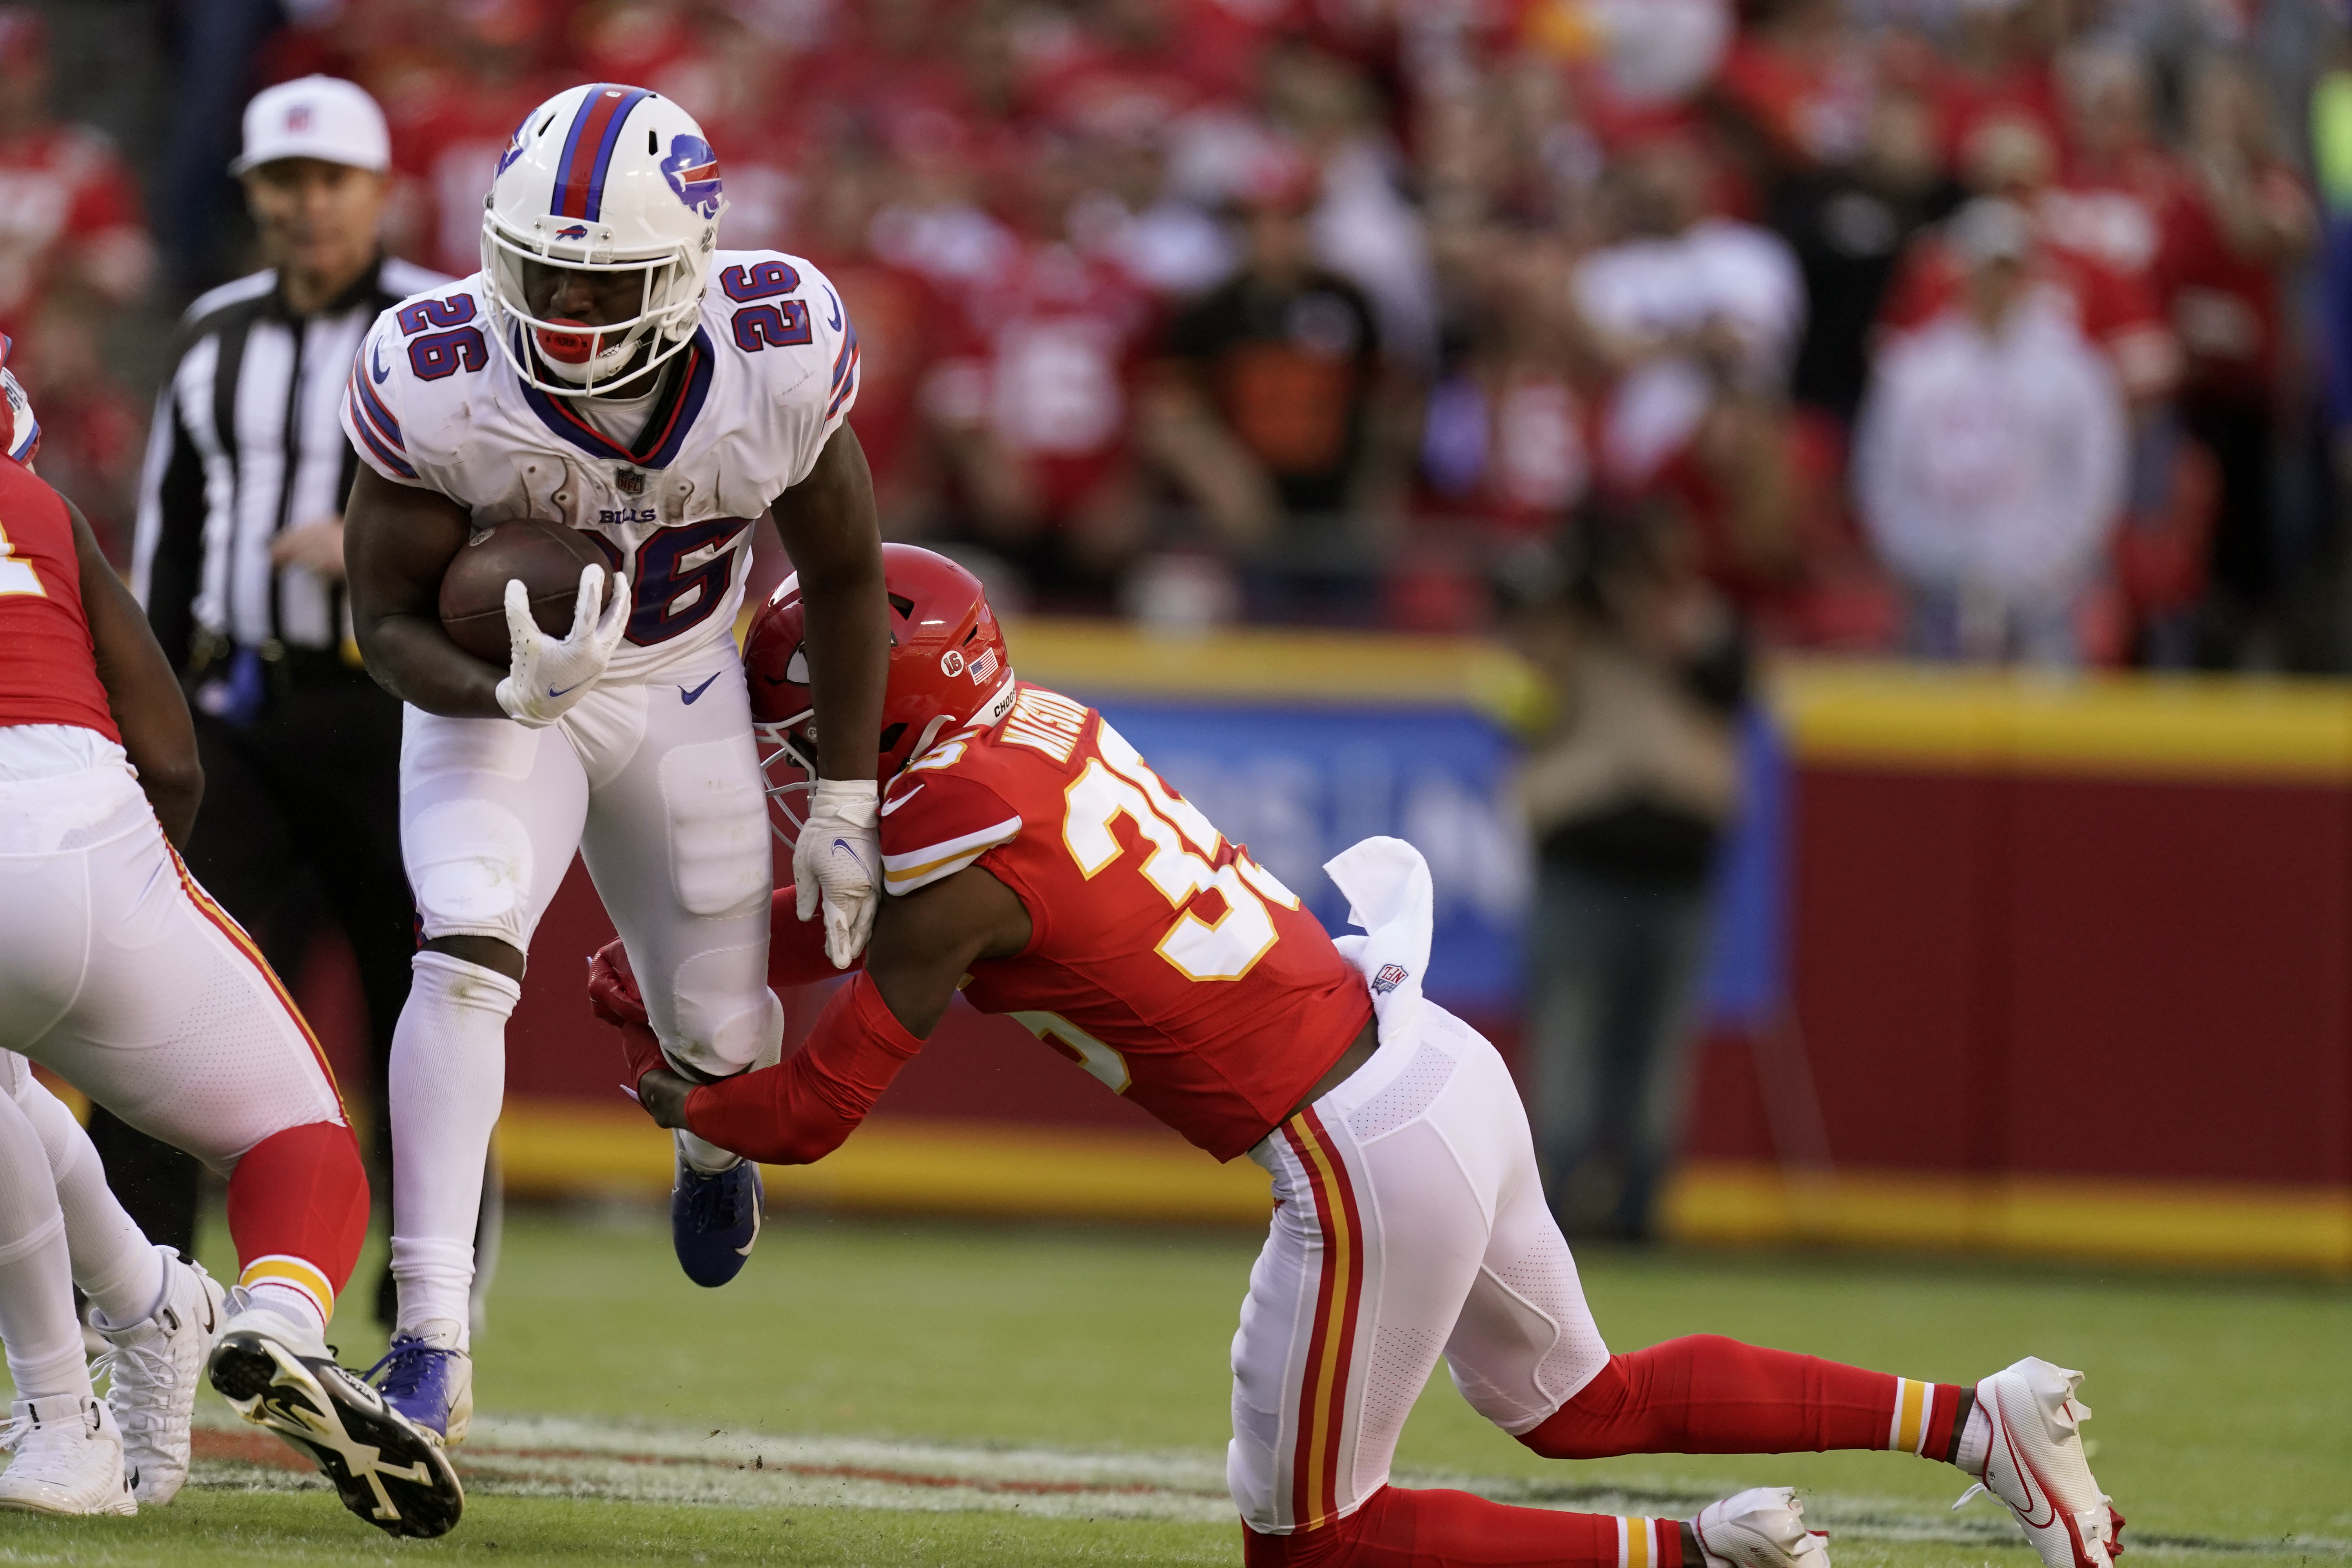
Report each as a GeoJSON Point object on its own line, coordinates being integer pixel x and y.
{"type": "Point", "coordinates": [829, 529]}
{"type": "Point", "coordinates": [807, 1106]}
{"type": "Point", "coordinates": [149, 710]}
{"type": "Point", "coordinates": [397, 541]}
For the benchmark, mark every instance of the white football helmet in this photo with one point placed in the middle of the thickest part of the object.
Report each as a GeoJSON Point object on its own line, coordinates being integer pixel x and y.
{"type": "Point", "coordinates": [606, 178]}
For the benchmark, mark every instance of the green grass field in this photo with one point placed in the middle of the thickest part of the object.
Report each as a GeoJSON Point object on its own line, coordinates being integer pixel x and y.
{"type": "Point", "coordinates": [899, 1393]}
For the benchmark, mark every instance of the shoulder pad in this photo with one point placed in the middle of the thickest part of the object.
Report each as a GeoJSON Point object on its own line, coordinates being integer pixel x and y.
{"type": "Point", "coordinates": [937, 821]}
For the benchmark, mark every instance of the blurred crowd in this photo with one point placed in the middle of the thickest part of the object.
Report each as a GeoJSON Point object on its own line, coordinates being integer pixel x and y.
{"type": "Point", "coordinates": [1975, 328]}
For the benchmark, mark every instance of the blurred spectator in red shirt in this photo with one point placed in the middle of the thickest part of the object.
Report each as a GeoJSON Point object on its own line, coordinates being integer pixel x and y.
{"type": "Point", "coordinates": [72, 236]}
{"type": "Point", "coordinates": [2116, 187]}
{"type": "Point", "coordinates": [906, 329]}
{"type": "Point", "coordinates": [1505, 443]}
{"type": "Point", "coordinates": [1799, 81]}
{"type": "Point", "coordinates": [74, 251]}
{"type": "Point", "coordinates": [1039, 418]}
{"type": "Point", "coordinates": [453, 107]}
{"type": "Point", "coordinates": [2244, 219]}
{"type": "Point", "coordinates": [1994, 64]}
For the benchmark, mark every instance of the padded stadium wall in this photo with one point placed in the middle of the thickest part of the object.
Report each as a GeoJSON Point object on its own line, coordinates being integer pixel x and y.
{"type": "Point", "coordinates": [2002, 964]}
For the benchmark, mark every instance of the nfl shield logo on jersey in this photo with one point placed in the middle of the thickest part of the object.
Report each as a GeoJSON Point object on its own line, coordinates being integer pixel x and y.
{"type": "Point", "coordinates": [630, 481]}
{"type": "Point", "coordinates": [1389, 976]}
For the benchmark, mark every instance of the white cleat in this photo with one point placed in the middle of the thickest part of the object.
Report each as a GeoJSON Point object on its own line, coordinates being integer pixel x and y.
{"type": "Point", "coordinates": [2035, 1464]}
{"type": "Point", "coordinates": [1760, 1528]}
{"type": "Point", "coordinates": [158, 1363]}
{"type": "Point", "coordinates": [68, 1459]}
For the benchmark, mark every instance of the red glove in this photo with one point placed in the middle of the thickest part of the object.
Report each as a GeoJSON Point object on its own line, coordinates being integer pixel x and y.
{"type": "Point", "coordinates": [612, 991]}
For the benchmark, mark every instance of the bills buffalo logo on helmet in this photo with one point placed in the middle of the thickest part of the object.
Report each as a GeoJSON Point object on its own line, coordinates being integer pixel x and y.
{"type": "Point", "coordinates": [692, 171]}
{"type": "Point", "coordinates": [1389, 976]}
{"type": "Point", "coordinates": [572, 231]}
{"type": "Point", "coordinates": [514, 145]}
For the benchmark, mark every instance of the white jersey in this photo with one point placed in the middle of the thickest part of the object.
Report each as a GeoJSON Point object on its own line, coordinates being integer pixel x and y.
{"type": "Point", "coordinates": [769, 376]}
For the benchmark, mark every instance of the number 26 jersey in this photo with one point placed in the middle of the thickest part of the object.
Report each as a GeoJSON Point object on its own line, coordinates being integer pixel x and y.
{"type": "Point", "coordinates": [742, 413]}
{"type": "Point", "coordinates": [1161, 959]}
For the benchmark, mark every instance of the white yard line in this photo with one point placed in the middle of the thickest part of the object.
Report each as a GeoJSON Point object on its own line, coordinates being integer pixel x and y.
{"type": "Point", "coordinates": [636, 1462]}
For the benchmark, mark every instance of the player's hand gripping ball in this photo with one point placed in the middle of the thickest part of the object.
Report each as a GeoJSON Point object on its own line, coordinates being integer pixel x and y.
{"type": "Point", "coordinates": [834, 862]}
{"type": "Point", "coordinates": [548, 674]}
{"type": "Point", "coordinates": [544, 555]}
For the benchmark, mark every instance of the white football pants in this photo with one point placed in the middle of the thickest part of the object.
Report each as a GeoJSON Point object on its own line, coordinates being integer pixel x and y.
{"type": "Point", "coordinates": [119, 973]}
{"type": "Point", "coordinates": [658, 786]}
{"type": "Point", "coordinates": [1408, 1222]}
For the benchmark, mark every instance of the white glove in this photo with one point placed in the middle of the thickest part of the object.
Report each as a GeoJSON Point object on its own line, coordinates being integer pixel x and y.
{"type": "Point", "coordinates": [838, 855]}
{"type": "Point", "coordinates": [548, 674]}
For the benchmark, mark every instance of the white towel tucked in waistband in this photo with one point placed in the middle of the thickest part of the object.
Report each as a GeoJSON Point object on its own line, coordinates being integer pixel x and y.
{"type": "Point", "coordinates": [1387, 884]}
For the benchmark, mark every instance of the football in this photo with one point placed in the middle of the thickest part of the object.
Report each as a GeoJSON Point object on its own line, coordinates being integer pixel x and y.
{"type": "Point", "coordinates": [546, 557]}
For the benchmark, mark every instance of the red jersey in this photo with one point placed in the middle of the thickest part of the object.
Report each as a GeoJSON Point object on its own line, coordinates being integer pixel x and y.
{"type": "Point", "coordinates": [1065, 343]}
{"type": "Point", "coordinates": [67, 204]}
{"type": "Point", "coordinates": [2226, 305]}
{"type": "Point", "coordinates": [1162, 959]}
{"type": "Point", "coordinates": [48, 670]}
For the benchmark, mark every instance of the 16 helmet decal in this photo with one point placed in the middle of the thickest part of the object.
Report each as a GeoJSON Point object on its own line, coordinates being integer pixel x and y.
{"type": "Point", "coordinates": [611, 179]}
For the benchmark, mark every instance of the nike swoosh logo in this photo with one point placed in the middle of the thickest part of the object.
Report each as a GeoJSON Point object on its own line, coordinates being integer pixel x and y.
{"type": "Point", "coordinates": [2044, 1505]}
{"type": "Point", "coordinates": [697, 691]}
{"type": "Point", "coordinates": [376, 363]}
{"type": "Point", "coordinates": [889, 806]}
{"type": "Point", "coordinates": [835, 322]}
{"type": "Point", "coordinates": [552, 691]}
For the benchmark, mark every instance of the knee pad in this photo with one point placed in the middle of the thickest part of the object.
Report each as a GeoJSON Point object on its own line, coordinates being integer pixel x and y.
{"type": "Point", "coordinates": [470, 863]}
{"type": "Point", "coordinates": [719, 859]}
{"type": "Point", "coordinates": [715, 1027]}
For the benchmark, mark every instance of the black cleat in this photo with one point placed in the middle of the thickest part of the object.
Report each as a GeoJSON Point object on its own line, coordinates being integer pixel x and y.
{"type": "Point", "coordinates": [385, 1469]}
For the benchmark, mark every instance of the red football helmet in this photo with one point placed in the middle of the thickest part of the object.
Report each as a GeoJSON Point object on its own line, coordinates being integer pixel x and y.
{"type": "Point", "coordinates": [948, 665]}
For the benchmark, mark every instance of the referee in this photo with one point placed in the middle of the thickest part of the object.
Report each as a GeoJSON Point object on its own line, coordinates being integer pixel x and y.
{"type": "Point", "coordinates": [239, 561]}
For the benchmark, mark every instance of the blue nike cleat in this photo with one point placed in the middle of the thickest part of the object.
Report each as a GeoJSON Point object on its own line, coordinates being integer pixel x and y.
{"type": "Point", "coordinates": [714, 1220]}
{"type": "Point", "coordinates": [428, 1379]}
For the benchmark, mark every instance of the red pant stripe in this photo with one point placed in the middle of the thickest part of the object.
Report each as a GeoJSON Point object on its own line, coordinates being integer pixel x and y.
{"type": "Point", "coordinates": [1323, 1389]}
{"type": "Point", "coordinates": [228, 927]}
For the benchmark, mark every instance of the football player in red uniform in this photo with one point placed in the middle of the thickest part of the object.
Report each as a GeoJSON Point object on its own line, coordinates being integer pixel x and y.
{"type": "Point", "coordinates": [119, 973]}
{"type": "Point", "coordinates": [1036, 862]}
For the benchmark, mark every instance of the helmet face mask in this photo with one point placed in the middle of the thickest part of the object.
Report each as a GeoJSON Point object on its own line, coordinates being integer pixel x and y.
{"type": "Point", "coordinates": [585, 185]}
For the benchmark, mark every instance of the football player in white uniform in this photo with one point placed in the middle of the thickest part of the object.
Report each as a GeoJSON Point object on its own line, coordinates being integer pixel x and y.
{"type": "Point", "coordinates": [611, 369]}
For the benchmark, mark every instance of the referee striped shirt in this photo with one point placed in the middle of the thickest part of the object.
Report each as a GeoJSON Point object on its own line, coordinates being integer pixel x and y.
{"type": "Point", "coordinates": [247, 443]}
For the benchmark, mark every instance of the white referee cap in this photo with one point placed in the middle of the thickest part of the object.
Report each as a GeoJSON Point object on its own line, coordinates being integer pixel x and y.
{"type": "Point", "coordinates": [319, 116]}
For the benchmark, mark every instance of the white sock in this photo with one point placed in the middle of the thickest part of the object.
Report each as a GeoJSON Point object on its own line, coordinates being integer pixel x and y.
{"type": "Point", "coordinates": [703, 1155]}
{"type": "Point", "coordinates": [290, 1303]}
{"type": "Point", "coordinates": [1976, 1443]}
{"type": "Point", "coordinates": [36, 1315]}
{"type": "Point", "coordinates": [447, 1082]}
{"type": "Point", "coordinates": [116, 1266]}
